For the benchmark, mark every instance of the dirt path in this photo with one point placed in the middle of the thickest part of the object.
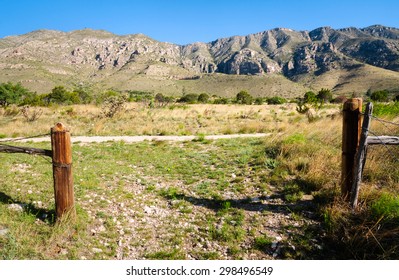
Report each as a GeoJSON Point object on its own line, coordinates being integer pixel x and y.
{"type": "Point", "coordinates": [133, 139]}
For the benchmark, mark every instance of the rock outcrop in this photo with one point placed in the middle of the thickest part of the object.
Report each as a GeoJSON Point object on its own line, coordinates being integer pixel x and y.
{"type": "Point", "coordinates": [291, 53]}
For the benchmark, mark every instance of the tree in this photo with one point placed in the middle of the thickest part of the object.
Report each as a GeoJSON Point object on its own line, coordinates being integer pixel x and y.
{"type": "Point", "coordinates": [12, 93]}
{"type": "Point", "coordinates": [190, 98]}
{"type": "Point", "coordinates": [203, 98]}
{"type": "Point", "coordinates": [276, 100]}
{"type": "Point", "coordinates": [379, 96]}
{"type": "Point", "coordinates": [83, 95]}
{"type": "Point", "coordinates": [58, 95]}
{"type": "Point", "coordinates": [243, 97]}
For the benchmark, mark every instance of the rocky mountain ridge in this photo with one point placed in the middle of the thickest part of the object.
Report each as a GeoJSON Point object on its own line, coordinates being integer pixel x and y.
{"type": "Point", "coordinates": [99, 55]}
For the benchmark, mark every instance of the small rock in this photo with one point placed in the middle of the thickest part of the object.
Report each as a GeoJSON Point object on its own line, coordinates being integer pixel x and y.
{"type": "Point", "coordinates": [101, 228]}
{"type": "Point", "coordinates": [38, 203]}
{"type": "Point", "coordinates": [307, 197]}
{"type": "Point", "coordinates": [4, 231]}
{"type": "Point", "coordinates": [97, 250]}
{"type": "Point", "coordinates": [233, 175]}
{"type": "Point", "coordinates": [64, 252]}
{"type": "Point", "coordinates": [16, 207]}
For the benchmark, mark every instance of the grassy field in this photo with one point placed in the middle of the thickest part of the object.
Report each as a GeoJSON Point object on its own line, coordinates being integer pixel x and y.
{"type": "Point", "coordinates": [271, 198]}
{"type": "Point", "coordinates": [137, 119]}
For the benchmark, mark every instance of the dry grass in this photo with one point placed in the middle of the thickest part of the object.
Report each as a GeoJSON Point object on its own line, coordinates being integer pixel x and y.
{"type": "Point", "coordinates": [192, 185]}
{"type": "Point", "coordinates": [172, 120]}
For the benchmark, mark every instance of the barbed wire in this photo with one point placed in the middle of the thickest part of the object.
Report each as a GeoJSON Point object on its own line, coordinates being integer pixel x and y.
{"type": "Point", "coordinates": [23, 138]}
{"type": "Point", "coordinates": [389, 150]}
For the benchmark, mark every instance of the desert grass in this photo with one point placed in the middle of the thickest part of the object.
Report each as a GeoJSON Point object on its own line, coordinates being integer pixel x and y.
{"type": "Point", "coordinates": [272, 198]}
{"type": "Point", "coordinates": [138, 119]}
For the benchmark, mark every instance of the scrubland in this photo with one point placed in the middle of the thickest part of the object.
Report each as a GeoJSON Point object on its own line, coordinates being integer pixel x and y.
{"type": "Point", "coordinates": [272, 198]}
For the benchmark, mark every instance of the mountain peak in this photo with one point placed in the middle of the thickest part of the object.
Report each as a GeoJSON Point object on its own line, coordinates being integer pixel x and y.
{"type": "Point", "coordinates": [99, 54]}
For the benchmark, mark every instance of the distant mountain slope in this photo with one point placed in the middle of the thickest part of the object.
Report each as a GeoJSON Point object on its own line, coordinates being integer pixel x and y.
{"type": "Point", "coordinates": [276, 62]}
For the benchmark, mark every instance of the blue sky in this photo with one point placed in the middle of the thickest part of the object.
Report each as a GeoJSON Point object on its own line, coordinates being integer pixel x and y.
{"type": "Point", "coordinates": [183, 22]}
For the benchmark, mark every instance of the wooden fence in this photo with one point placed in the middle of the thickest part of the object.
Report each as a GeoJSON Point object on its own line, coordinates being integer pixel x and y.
{"type": "Point", "coordinates": [355, 140]}
{"type": "Point", "coordinates": [61, 154]}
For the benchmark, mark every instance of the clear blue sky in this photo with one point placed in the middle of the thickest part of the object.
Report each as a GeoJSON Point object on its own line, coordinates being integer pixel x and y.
{"type": "Point", "coordinates": [187, 21]}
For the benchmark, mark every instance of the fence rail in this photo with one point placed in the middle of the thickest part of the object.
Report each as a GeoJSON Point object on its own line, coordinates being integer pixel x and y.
{"type": "Point", "coordinates": [26, 150]}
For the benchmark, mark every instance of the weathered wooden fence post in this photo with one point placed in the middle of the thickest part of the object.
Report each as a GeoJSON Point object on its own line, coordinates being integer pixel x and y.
{"type": "Point", "coordinates": [62, 171]}
{"type": "Point", "coordinates": [361, 155]}
{"type": "Point", "coordinates": [350, 142]}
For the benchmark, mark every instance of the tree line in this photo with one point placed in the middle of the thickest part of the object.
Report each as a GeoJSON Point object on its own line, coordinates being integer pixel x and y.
{"type": "Point", "coordinates": [11, 93]}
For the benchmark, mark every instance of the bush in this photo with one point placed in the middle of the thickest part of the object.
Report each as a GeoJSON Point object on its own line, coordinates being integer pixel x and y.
{"type": "Point", "coordinates": [221, 100]}
{"type": "Point", "coordinates": [12, 94]}
{"type": "Point", "coordinates": [139, 96]}
{"type": "Point", "coordinates": [203, 98]}
{"type": "Point", "coordinates": [258, 101]}
{"type": "Point", "coordinates": [30, 114]}
{"type": "Point", "coordinates": [81, 96]}
{"type": "Point", "coordinates": [105, 95]}
{"type": "Point", "coordinates": [310, 97]}
{"type": "Point", "coordinates": [386, 109]}
{"type": "Point", "coordinates": [324, 95]}
{"type": "Point", "coordinates": [379, 96]}
{"type": "Point", "coordinates": [190, 98]}
{"type": "Point", "coordinates": [243, 97]}
{"type": "Point", "coordinates": [60, 95]}
{"type": "Point", "coordinates": [162, 100]}
{"type": "Point", "coordinates": [113, 105]}
{"type": "Point", "coordinates": [276, 100]}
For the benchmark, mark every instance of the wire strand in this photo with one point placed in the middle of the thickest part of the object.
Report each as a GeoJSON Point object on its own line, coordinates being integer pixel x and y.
{"type": "Point", "coordinates": [386, 146]}
{"type": "Point", "coordinates": [23, 138]}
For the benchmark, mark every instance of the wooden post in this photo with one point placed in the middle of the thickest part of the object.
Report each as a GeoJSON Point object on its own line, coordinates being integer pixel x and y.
{"type": "Point", "coordinates": [62, 171]}
{"type": "Point", "coordinates": [350, 141]}
{"type": "Point", "coordinates": [361, 155]}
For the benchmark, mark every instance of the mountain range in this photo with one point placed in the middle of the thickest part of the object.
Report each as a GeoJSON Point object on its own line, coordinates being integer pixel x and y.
{"type": "Point", "coordinates": [280, 62]}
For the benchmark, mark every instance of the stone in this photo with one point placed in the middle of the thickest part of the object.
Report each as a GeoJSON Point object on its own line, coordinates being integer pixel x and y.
{"type": "Point", "coordinates": [97, 250]}
{"type": "Point", "coordinates": [18, 207]}
{"type": "Point", "coordinates": [4, 231]}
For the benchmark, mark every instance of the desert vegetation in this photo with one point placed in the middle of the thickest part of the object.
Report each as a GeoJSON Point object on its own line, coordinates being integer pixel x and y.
{"type": "Point", "coordinates": [276, 197]}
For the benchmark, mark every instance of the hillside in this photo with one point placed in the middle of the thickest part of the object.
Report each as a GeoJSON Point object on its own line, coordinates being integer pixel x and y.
{"type": "Point", "coordinates": [275, 62]}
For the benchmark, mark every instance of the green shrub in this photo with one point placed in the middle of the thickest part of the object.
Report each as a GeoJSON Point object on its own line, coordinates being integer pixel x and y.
{"type": "Point", "coordinates": [310, 97]}
{"type": "Point", "coordinates": [387, 206]}
{"type": "Point", "coordinates": [324, 95]}
{"type": "Point", "coordinates": [382, 109]}
{"type": "Point", "coordinates": [243, 97]}
{"type": "Point", "coordinates": [203, 98]}
{"type": "Point", "coordinates": [113, 105]}
{"type": "Point", "coordinates": [380, 96]}
{"type": "Point", "coordinates": [276, 100]}
{"type": "Point", "coordinates": [262, 242]}
{"type": "Point", "coordinates": [190, 98]}
{"type": "Point", "coordinates": [259, 101]}
{"type": "Point", "coordinates": [12, 93]}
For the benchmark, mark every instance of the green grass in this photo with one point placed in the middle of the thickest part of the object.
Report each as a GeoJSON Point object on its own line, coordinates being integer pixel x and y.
{"type": "Point", "coordinates": [386, 207]}
{"type": "Point", "coordinates": [386, 109]}
{"type": "Point", "coordinates": [225, 199]}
